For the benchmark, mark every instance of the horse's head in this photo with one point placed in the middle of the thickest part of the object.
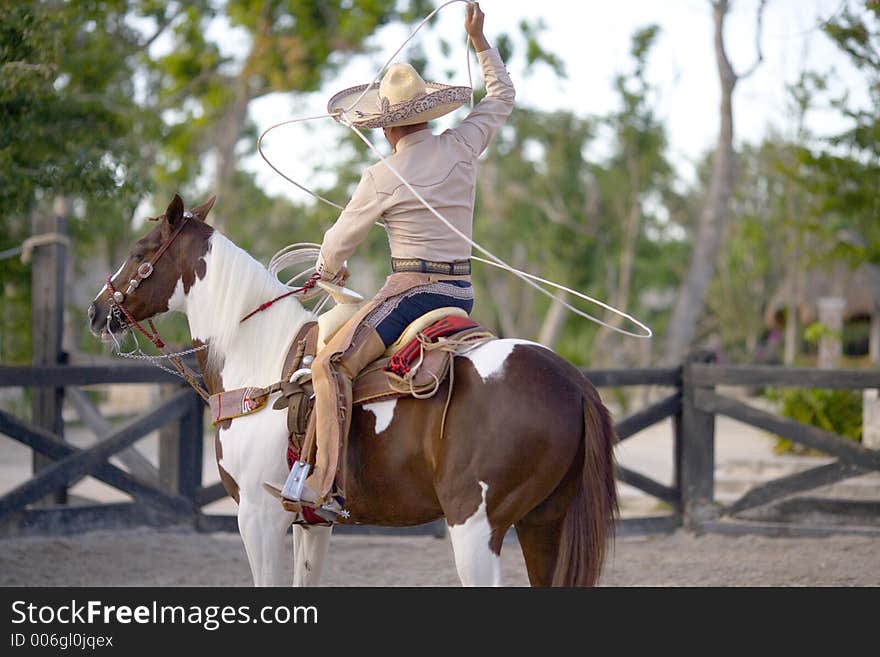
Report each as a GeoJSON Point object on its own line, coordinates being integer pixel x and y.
{"type": "Point", "coordinates": [167, 256]}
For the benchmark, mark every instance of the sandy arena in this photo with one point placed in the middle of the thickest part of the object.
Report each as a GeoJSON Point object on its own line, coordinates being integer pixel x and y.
{"type": "Point", "coordinates": [182, 557]}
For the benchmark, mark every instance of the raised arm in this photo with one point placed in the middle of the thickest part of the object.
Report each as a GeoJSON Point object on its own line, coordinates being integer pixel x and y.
{"type": "Point", "coordinates": [490, 113]}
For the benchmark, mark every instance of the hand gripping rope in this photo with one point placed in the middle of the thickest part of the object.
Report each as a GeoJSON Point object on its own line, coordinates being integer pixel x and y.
{"type": "Point", "coordinates": [529, 279]}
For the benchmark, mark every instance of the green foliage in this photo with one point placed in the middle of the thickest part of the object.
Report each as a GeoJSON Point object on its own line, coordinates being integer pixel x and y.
{"type": "Point", "coordinates": [63, 124]}
{"type": "Point", "coordinates": [560, 213]}
{"type": "Point", "coordinates": [69, 126]}
{"type": "Point", "coordinates": [842, 174]}
{"type": "Point", "coordinates": [753, 260]}
{"type": "Point", "coordinates": [817, 330]}
{"type": "Point", "coordinates": [836, 411]}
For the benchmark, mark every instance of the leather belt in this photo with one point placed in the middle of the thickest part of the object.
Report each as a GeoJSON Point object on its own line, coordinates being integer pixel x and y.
{"type": "Point", "coordinates": [456, 268]}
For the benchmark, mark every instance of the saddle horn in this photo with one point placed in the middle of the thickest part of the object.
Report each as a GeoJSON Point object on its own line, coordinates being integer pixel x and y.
{"type": "Point", "coordinates": [341, 295]}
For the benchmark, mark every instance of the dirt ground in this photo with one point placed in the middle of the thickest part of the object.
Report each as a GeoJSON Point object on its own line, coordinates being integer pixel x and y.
{"type": "Point", "coordinates": [178, 557]}
{"type": "Point", "coordinates": [182, 557]}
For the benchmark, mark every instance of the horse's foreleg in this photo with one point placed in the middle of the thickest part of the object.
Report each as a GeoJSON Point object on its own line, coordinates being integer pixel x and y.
{"type": "Point", "coordinates": [263, 529]}
{"type": "Point", "coordinates": [310, 549]}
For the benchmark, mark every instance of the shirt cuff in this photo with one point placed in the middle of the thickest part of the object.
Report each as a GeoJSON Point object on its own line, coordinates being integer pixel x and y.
{"type": "Point", "coordinates": [490, 56]}
{"type": "Point", "coordinates": [323, 272]}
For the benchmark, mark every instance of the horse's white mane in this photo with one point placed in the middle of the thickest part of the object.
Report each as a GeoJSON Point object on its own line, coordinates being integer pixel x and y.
{"type": "Point", "coordinates": [234, 285]}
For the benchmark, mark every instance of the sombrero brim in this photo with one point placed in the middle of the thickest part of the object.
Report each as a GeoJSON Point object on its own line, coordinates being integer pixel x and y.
{"type": "Point", "coordinates": [440, 99]}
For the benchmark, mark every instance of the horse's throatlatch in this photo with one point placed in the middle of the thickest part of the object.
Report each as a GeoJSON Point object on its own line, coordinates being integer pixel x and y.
{"type": "Point", "coordinates": [414, 366]}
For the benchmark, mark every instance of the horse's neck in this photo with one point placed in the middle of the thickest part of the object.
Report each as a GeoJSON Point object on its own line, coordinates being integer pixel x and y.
{"type": "Point", "coordinates": [244, 353]}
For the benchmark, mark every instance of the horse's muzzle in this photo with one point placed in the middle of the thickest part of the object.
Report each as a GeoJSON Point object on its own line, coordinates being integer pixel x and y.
{"type": "Point", "coordinates": [98, 323]}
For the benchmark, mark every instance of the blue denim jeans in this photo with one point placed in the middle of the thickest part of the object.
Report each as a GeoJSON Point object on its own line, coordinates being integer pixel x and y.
{"type": "Point", "coordinates": [412, 307]}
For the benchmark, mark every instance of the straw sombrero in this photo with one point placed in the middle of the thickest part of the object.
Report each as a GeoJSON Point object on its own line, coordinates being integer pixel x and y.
{"type": "Point", "coordinates": [401, 98]}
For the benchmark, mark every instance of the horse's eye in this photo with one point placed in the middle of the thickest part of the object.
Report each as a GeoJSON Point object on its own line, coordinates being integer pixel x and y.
{"type": "Point", "coordinates": [137, 256]}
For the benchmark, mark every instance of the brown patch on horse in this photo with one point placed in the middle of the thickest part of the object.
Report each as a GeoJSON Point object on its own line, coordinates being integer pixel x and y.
{"type": "Point", "coordinates": [210, 375]}
{"type": "Point", "coordinates": [435, 476]}
{"type": "Point", "coordinates": [214, 384]}
{"type": "Point", "coordinates": [226, 479]}
{"type": "Point", "coordinates": [538, 436]}
{"type": "Point", "coordinates": [389, 478]}
{"type": "Point", "coordinates": [532, 460]}
{"type": "Point", "coordinates": [192, 256]}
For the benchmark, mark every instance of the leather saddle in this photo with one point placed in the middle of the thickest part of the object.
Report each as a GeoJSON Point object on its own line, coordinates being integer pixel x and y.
{"type": "Point", "coordinates": [413, 366]}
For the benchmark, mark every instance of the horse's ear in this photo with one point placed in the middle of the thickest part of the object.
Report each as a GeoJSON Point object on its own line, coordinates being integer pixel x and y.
{"type": "Point", "coordinates": [174, 213]}
{"type": "Point", "coordinates": [201, 212]}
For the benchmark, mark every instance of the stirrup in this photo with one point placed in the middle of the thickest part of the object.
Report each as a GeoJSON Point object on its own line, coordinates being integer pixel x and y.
{"type": "Point", "coordinates": [296, 481]}
{"type": "Point", "coordinates": [328, 511]}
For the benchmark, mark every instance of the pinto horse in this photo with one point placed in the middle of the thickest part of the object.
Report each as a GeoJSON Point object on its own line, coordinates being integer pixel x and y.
{"type": "Point", "coordinates": [527, 442]}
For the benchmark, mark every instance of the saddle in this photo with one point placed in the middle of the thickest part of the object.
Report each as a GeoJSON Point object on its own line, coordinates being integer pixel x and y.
{"type": "Point", "coordinates": [415, 365]}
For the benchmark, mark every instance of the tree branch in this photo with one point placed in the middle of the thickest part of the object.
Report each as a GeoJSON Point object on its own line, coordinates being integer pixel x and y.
{"type": "Point", "coordinates": [160, 28]}
{"type": "Point", "coordinates": [556, 214]}
{"type": "Point", "coordinates": [728, 76]}
{"type": "Point", "coordinates": [759, 32]}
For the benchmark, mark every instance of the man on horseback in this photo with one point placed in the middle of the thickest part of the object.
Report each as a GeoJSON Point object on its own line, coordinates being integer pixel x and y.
{"type": "Point", "coordinates": [430, 264]}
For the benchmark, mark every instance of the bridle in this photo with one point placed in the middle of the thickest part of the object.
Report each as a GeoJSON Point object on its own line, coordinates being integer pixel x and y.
{"type": "Point", "coordinates": [117, 304]}
{"type": "Point", "coordinates": [144, 271]}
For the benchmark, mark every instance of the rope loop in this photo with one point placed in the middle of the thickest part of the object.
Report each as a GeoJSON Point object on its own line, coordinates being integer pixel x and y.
{"type": "Point", "coordinates": [532, 280]}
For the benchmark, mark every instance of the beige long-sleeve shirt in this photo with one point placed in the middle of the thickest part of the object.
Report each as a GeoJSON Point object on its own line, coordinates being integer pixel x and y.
{"type": "Point", "coordinates": [442, 168]}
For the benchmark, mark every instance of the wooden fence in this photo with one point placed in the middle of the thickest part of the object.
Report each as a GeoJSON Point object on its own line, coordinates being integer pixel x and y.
{"type": "Point", "coordinates": [180, 501]}
{"type": "Point", "coordinates": [692, 404]}
{"type": "Point", "coordinates": [704, 402]}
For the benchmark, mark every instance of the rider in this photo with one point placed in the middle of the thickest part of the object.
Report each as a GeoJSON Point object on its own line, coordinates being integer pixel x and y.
{"type": "Point", "coordinates": [430, 264]}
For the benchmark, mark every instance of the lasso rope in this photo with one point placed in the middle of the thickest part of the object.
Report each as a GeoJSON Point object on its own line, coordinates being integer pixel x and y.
{"type": "Point", "coordinates": [495, 261]}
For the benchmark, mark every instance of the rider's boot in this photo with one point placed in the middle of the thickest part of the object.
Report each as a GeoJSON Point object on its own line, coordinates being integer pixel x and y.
{"type": "Point", "coordinates": [332, 373]}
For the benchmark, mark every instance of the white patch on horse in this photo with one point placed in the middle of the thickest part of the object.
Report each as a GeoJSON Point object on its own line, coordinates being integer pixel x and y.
{"type": "Point", "coordinates": [252, 352]}
{"type": "Point", "coordinates": [177, 299]}
{"type": "Point", "coordinates": [477, 565]}
{"type": "Point", "coordinates": [118, 271]}
{"type": "Point", "coordinates": [384, 412]}
{"type": "Point", "coordinates": [489, 359]}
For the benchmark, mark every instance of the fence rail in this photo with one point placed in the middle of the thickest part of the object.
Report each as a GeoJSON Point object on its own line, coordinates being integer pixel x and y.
{"type": "Point", "coordinates": [852, 459]}
{"type": "Point", "coordinates": [693, 405]}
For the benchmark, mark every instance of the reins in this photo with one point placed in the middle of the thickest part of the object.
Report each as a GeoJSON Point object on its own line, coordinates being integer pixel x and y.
{"type": "Point", "coordinates": [308, 285]}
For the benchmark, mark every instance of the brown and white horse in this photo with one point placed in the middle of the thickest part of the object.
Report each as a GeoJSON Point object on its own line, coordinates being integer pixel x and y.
{"type": "Point", "coordinates": [527, 441]}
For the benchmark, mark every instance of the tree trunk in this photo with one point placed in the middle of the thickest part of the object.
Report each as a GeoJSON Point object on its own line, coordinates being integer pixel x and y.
{"type": "Point", "coordinates": [603, 353]}
{"type": "Point", "coordinates": [794, 291]}
{"type": "Point", "coordinates": [233, 124]}
{"type": "Point", "coordinates": [692, 292]}
{"type": "Point", "coordinates": [554, 322]}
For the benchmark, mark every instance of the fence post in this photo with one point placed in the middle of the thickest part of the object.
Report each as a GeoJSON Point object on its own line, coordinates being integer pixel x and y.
{"type": "Point", "coordinates": [696, 466]}
{"type": "Point", "coordinates": [169, 446]}
{"type": "Point", "coordinates": [870, 396]}
{"type": "Point", "coordinates": [678, 442]}
{"type": "Point", "coordinates": [190, 446]}
{"type": "Point", "coordinates": [48, 274]}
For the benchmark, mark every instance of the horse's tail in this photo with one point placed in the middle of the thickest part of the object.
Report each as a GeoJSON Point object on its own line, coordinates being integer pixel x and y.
{"type": "Point", "coordinates": [588, 527]}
